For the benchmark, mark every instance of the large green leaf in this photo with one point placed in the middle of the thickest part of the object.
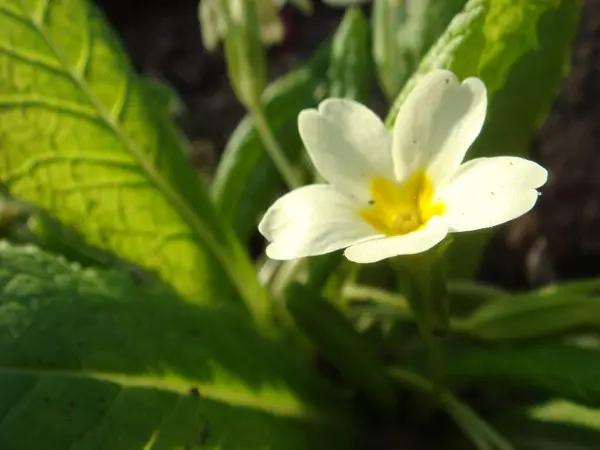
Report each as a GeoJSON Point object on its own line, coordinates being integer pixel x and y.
{"type": "Point", "coordinates": [89, 360]}
{"type": "Point", "coordinates": [560, 371]}
{"type": "Point", "coordinates": [520, 49]}
{"type": "Point", "coordinates": [80, 139]}
{"type": "Point", "coordinates": [527, 433]}
{"type": "Point", "coordinates": [532, 315]}
{"type": "Point", "coordinates": [554, 425]}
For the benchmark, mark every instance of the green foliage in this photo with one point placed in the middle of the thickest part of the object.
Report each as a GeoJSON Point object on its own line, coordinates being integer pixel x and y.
{"type": "Point", "coordinates": [90, 360]}
{"type": "Point", "coordinates": [539, 435]}
{"type": "Point", "coordinates": [403, 31]}
{"type": "Point", "coordinates": [532, 315]}
{"type": "Point", "coordinates": [520, 49]}
{"type": "Point", "coordinates": [113, 357]}
{"type": "Point", "coordinates": [163, 95]}
{"type": "Point", "coordinates": [557, 370]}
{"type": "Point", "coordinates": [350, 67]}
{"type": "Point", "coordinates": [246, 180]}
{"type": "Point", "coordinates": [339, 343]}
{"type": "Point", "coordinates": [80, 140]}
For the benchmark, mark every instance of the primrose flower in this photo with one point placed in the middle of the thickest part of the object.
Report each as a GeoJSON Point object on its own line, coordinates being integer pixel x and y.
{"type": "Point", "coordinates": [401, 192]}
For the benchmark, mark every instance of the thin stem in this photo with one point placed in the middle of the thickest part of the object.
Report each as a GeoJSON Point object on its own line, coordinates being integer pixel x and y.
{"type": "Point", "coordinates": [268, 271]}
{"type": "Point", "coordinates": [274, 150]}
{"type": "Point", "coordinates": [469, 420]}
{"type": "Point", "coordinates": [354, 291]}
{"type": "Point", "coordinates": [435, 363]}
{"type": "Point", "coordinates": [286, 273]}
{"type": "Point", "coordinates": [481, 434]}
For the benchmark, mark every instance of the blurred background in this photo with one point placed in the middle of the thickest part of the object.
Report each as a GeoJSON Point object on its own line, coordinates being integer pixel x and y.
{"type": "Point", "coordinates": [559, 240]}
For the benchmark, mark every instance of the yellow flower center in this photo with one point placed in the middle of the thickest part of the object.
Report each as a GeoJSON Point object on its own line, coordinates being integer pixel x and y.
{"type": "Point", "coordinates": [399, 209]}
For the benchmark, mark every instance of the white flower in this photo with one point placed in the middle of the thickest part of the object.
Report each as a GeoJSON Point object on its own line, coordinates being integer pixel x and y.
{"type": "Point", "coordinates": [214, 26]}
{"type": "Point", "coordinates": [398, 193]}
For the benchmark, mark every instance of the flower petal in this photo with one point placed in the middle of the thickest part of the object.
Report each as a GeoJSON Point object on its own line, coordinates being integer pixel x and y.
{"type": "Point", "coordinates": [437, 124]}
{"type": "Point", "coordinates": [408, 244]}
{"type": "Point", "coordinates": [348, 144]}
{"type": "Point", "coordinates": [486, 192]}
{"type": "Point", "coordinates": [313, 220]}
{"type": "Point", "coordinates": [484, 209]}
{"type": "Point", "coordinates": [496, 173]}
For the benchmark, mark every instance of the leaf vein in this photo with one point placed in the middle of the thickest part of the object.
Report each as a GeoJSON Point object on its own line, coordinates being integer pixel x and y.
{"type": "Point", "coordinates": [106, 412]}
{"type": "Point", "coordinates": [182, 386]}
{"type": "Point", "coordinates": [69, 108]}
{"type": "Point", "coordinates": [24, 396]}
{"type": "Point", "coordinates": [117, 111]}
{"type": "Point", "coordinates": [42, 11]}
{"type": "Point", "coordinates": [154, 436]}
{"type": "Point", "coordinates": [86, 48]}
{"type": "Point", "coordinates": [34, 60]}
{"type": "Point", "coordinates": [104, 185]}
{"type": "Point", "coordinates": [27, 21]}
{"type": "Point", "coordinates": [37, 161]}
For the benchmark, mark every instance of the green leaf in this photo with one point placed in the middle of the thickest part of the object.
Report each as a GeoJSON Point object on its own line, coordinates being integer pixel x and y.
{"type": "Point", "coordinates": [163, 95]}
{"type": "Point", "coordinates": [560, 371]}
{"type": "Point", "coordinates": [526, 433]}
{"type": "Point", "coordinates": [89, 360]}
{"type": "Point", "coordinates": [562, 411]}
{"type": "Point", "coordinates": [402, 32]}
{"type": "Point", "coordinates": [532, 315]}
{"type": "Point", "coordinates": [521, 50]}
{"type": "Point", "coordinates": [80, 139]}
{"type": "Point", "coordinates": [53, 237]}
{"type": "Point", "coordinates": [349, 72]}
{"type": "Point", "coordinates": [534, 435]}
{"type": "Point", "coordinates": [555, 425]}
{"type": "Point", "coordinates": [336, 339]}
{"type": "Point", "coordinates": [246, 180]}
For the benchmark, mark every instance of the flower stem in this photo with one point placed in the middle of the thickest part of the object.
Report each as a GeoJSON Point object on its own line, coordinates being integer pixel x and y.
{"type": "Point", "coordinates": [429, 302]}
{"type": "Point", "coordinates": [481, 434]}
{"type": "Point", "coordinates": [273, 148]}
{"type": "Point", "coordinates": [352, 291]}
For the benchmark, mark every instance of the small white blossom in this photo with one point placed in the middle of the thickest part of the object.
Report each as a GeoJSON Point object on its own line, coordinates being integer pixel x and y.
{"type": "Point", "coordinates": [401, 192]}
{"type": "Point", "coordinates": [213, 23]}
{"type": "Point", "coordinates": [272, 30]}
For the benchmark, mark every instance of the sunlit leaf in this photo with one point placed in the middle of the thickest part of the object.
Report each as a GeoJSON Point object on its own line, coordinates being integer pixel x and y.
{"type": "Point", "coordinates": [79, 138]}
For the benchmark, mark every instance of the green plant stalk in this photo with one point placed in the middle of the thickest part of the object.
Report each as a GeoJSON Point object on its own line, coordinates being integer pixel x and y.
{"type": "Point", "coordinates": [274, 150]}
{"type": "Point", "coordinates": [428, 300]}
{"type": "Point", "coordinates": [353, 291]}
{"type": "Point", "coordinates": [481, 434]}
